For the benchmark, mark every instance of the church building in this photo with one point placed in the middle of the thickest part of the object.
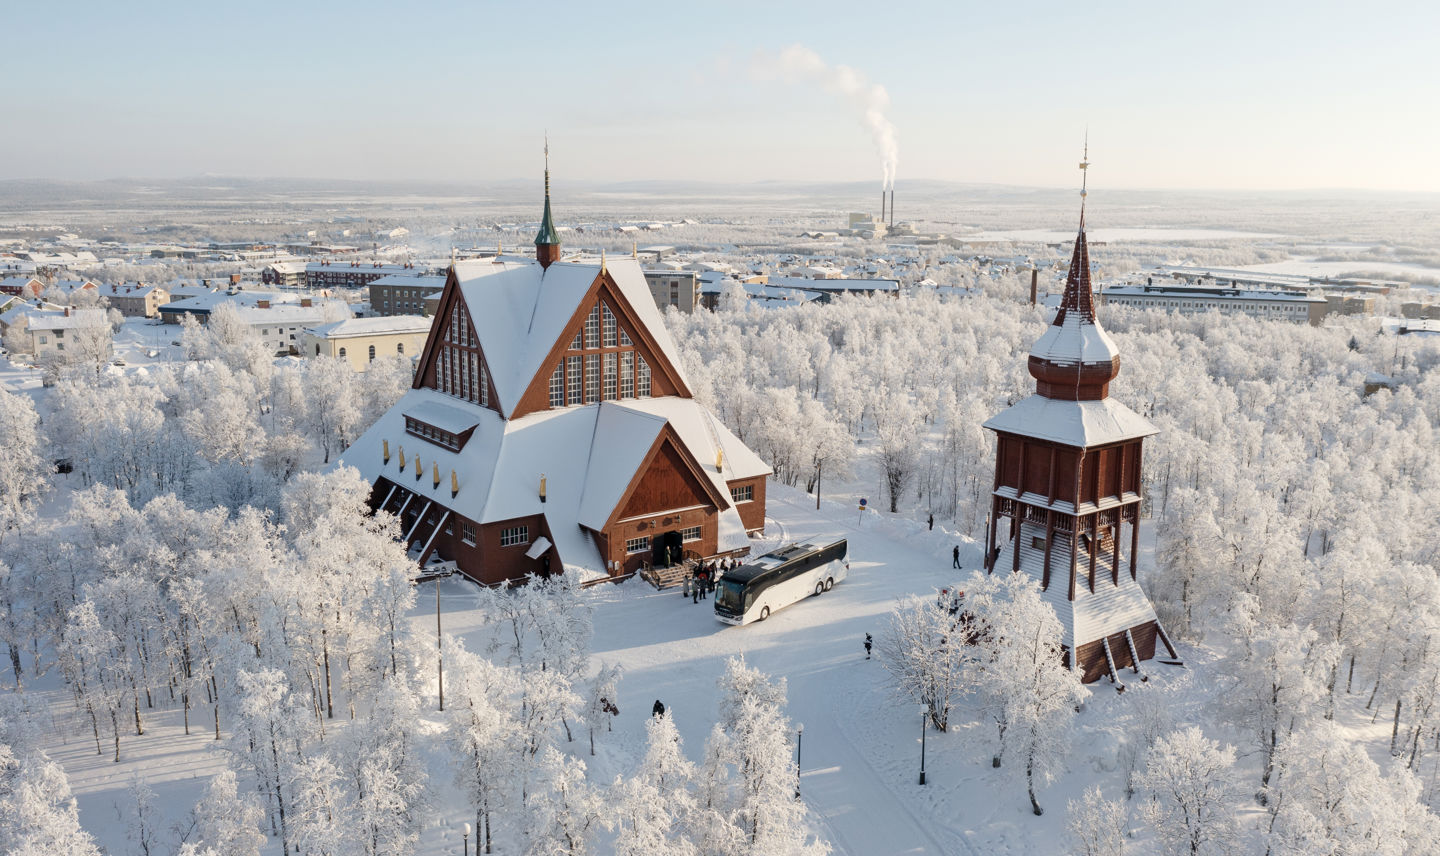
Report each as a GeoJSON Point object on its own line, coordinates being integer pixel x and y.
{"type": "Point", "coordinates": [1067, 484]}
{"type": "Point", "coordinates": [551, 423]}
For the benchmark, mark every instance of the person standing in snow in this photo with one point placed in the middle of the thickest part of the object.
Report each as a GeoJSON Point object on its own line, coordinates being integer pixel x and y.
{"type": "Point", "coordinates": [695, 590]}
{"type": "Point", "coordinates": [703, 578]}
{"type": "Point", "coordinates": [930, 521]}
{"type": "Point", "coordinates": [868, 642]}
{"type": "Point", "coordinates": [955, 557]}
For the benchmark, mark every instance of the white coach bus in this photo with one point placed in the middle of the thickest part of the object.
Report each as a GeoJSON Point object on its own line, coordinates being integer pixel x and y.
{"type": "Point", "coordinates": [777, 579]}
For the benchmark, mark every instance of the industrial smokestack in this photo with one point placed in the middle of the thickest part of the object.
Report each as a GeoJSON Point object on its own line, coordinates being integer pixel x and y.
{"type": "Point", "coordinates": [892, 208]}
{"type": "Point", "coordinates": [882, 205]}
{"type": "Point", "coordinates": [1034, 285]}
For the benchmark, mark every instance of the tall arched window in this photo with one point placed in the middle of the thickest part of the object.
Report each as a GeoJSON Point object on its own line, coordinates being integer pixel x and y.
{"type": "Point", "coordinates": [342, 352]}
{"type": "Point", "coordinates": [372, 353]}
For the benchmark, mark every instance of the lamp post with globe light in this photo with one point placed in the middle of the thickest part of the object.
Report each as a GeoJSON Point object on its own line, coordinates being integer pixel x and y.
{"type": "Point", "coordinates": [465, 840]}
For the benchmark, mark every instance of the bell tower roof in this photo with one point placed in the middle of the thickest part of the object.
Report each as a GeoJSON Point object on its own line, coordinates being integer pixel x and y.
{"type": "Point", "coordinates": [1076, 359]}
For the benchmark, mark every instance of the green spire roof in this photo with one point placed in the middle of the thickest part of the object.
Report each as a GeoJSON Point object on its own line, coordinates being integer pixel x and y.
{"type": "Point", "coordinates": [547, 235]}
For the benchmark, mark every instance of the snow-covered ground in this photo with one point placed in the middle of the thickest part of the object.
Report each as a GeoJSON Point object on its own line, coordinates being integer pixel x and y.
{"type": "Point", "coordinates": [861, 745]}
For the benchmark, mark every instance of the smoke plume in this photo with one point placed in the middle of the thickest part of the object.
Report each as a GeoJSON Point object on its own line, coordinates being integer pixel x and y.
{"type": "Point", "coordinates": [799, 64]}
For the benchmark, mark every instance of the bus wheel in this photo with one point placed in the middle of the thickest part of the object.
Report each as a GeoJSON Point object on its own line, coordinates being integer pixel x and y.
{"type": "Point", "coordinates": [764, 612]}
{"type": "Point", "coordinates": [819, 587]}
{"type": "Point", "coordinates": [829, 581]}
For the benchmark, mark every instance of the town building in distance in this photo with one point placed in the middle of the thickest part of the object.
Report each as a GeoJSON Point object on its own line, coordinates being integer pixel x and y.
{"type": "Point", "coordinates": [360, 341]}
{"type": "Point", "coordinates": [1282, 304]}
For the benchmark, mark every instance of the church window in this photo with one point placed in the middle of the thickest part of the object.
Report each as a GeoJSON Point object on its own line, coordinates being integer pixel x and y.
{"type": "Point", "coordinates": [625, 339]}
{"type": "Point", "coordinates": [592, 328]}
{"type": "Point", "coordinates": [572, 371]}
{"type": "Point", "coordinates": [514, 536]}
{"type": "Point", "coordinates": [575, 345]}
{"type": "Point", "coordinates": [627, 374]}
{"type": "Point", "coordinates": [482, 381]}
{"type": "Point", "coordinates": [467, 532]}
{"type": "Point", "coordinates": [691, 534]}
{"type": "Point", "coordinates": [745, 493]}
{"type": "Point", "coordinates": [642, 377]}
{"type": "Point", "coordinates": [464, 376]}
{"type": "Point", "coordinates": [609, 389]}
{"type": "Point", "coordinates": [557, 386]}
{"type": "Point", "coordinates": [637, 545]}
{"type": "Point", "coordinates": [609, 330]}
{"type": "Point", "coordinates": [592, 378]}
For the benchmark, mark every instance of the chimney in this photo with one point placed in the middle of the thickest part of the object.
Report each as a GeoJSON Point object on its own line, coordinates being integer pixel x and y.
{"type": "Point", "coordinates": [892, 208]}
{"type": "Point", "coordinates": [454, 485]}
{"type": "Point", "coordinates": [882, 204]}
{"type": "Point", "coordinates": [1034, 284]}
{"type": "Point", "coordinates": [234, 279]}
{"type": "Point", "coordinates": [387, 451]}
{"type": "Point", "coordinates": [67, 312]}
{"type": "Point", "coordinates": [436, 465]}
{"type": "Point", "coordinates": [306, 302]}
{"type": "Point", "coordinates": [262, 304]}
{"type": "Point", "coordinates": [542, 487]}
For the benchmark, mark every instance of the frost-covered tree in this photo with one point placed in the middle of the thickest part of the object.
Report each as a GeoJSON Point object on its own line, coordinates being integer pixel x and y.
{"type": "Point", "coordinates": [320, 823]}
{"type": "Point", "coordinates": [226, 823]}
{"type": "Point", "coordinates": [481, 732]}
{"type": "Point", "coordinates": [924, 648]}
{"type": "Point", "coordinates": [141, 827]}
{"type": "Point", "coordinates": [653, 808]}
{"type": "Point", "coordinates": [37, 812]}
{"type": "Point", "coordinates": [604, 699]}
{"type": "Point", "coordinates": [1188, 778]}
{"type": "Point", "coordinates": [1097, 826]}
{"type": "Point", "coordinates": [563, 812]}
{"type": "Point", "coordinates": [1023, 662]}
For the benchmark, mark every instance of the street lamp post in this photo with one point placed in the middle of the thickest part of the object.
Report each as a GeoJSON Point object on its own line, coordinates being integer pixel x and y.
{"type": "Point", "coordinates": [799, 737]}
{"type": "Point", "coordinates": [465, 840]}
{"type": "Point", "coordinates": [924, 715]}
{"type": "Point", "coordinates": [439, 648]}
{"type": "Point", "coordinates": [439, 636]}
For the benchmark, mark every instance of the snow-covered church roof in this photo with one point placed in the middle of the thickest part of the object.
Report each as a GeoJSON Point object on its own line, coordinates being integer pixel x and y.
{"type": "Point", "coordinates": [520, 308]}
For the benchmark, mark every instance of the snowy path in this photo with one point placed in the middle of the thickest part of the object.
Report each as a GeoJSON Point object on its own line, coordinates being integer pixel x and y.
{"type": "Point", "coordinates": [673, 650]}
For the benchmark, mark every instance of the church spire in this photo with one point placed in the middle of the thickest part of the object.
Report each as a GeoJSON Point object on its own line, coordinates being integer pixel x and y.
{"type": "Point", "coordinates": [1079, 294]}
{"type": "Point", "coordinates": [1075, 359]}
{"type": "Point", "coordinates": [547, 242]}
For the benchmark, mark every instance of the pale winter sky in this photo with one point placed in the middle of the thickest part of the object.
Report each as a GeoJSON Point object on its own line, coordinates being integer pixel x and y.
{"type": "Point", "coordinates": [1260, 94]}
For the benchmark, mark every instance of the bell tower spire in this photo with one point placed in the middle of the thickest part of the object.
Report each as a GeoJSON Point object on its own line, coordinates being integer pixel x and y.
{"type": "Point", "coordinates": [547, 241]}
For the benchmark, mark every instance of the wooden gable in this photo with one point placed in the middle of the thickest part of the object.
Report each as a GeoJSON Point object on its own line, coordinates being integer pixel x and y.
{"type": "Point", "coordinates": [669, 479]}
{"type": "Point", "coordinates": [451, 349]}
{"type": "Point", "coordinates": [665, 378]}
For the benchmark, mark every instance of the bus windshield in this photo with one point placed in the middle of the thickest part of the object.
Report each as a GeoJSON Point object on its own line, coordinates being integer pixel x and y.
{"type": "Point", "coordinates": [729, 596]}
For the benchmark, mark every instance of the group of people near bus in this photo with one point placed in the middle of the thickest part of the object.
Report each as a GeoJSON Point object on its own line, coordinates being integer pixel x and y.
{"type": "Point", "coordinates": [702, 578]}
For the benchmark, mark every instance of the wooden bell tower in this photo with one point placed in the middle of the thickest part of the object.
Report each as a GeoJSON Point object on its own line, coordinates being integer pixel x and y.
{"type": "Point", "coordinates": [1066, 500]}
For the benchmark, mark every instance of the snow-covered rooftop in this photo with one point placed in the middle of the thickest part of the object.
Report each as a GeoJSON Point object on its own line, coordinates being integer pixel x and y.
{"type": "Point", "coordinates": [1076, 340]}
{"type": "Point", "coordinates": [386, 325]}
{"type": "Point", "coordinates": [588, 455]}
{"type": "Point", "coordinates": [1072, 423]}
{"type": "Point", "coordinates": [520, 308]}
